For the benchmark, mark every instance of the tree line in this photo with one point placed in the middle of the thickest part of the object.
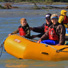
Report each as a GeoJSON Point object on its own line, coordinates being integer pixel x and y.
{"type": "Point", "coordinates": [34, 0]}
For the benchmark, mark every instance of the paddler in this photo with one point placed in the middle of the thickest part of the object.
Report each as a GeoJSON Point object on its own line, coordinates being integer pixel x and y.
{"type": "Point", "coordinates": [23, 29]}
{"type": "Point", "coordinates": [42, 29]}
{"type": "Point", "coordinates": [63, 18]}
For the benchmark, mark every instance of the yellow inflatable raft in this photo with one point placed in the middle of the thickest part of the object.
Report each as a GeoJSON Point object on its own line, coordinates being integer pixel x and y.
{"type": "Point", "coordinates": [66, 25]}
{"type": "Point", "coordinates": [26, 49]}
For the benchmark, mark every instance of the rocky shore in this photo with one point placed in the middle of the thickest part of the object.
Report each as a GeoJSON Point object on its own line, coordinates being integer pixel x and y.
{"type": "Point", "coordinates": [35, 5]}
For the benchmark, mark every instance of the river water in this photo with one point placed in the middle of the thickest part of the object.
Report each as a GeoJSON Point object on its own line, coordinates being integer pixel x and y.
{"type": "Point", "coordinates": [9, 21]}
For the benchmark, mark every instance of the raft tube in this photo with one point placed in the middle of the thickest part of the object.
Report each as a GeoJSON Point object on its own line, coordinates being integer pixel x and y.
{"type": "Point", "coordinates": [25, 49]}
{"type": "Point", "coordinates": [66, 25]}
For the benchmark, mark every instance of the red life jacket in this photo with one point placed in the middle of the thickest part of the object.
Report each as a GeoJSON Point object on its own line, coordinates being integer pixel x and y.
{"type": "Point", "coordinates": [21, 31]}
{"type": "Point", "coordinates": [65, 21]}
{"type": "Point", "coordinates": [53, 35]}
{"type": "Point", "coordinates": [45, 28]}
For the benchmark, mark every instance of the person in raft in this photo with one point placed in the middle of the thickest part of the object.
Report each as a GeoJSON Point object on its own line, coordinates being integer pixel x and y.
{"type": "Point", "coordinates": [55, 33]}
{"type": "Point", "coordinates": [63, 18]}
{"type": "Point", "coordinates": [23, 29]}
{"type": "Point", "coordinates": [42, 29]}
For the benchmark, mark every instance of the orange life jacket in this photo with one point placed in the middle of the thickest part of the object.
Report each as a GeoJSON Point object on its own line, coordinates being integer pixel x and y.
{"type": "Point", "coordinates": [21, 31]}
{"type": "Point", "coordinates": [45, 28]}
{"type": "Point", "coordinates": [53, 35]}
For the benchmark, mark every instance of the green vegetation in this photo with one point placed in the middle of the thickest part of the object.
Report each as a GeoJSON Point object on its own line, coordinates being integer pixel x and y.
{"type": "Point", "coordinates": [34, 0]}
{"type": "Point", "coordinates": [1, 7]}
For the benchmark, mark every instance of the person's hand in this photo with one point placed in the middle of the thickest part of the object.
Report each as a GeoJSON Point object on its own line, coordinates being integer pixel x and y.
{"type": "Point", "coordinates": [9, 34]}
{"type": "Point", "coordinates": [58, 45]}
{"type": "Point", "coordinates": [30, 28]}
{"type": "Point", "coordinates": [39, 41]}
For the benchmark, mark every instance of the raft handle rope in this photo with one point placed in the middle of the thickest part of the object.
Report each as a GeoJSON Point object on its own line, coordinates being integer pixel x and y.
{"type": "Point", "coordinates": [50, 46]}
{"type": "Point", "coordinates": [60, 50]}
{"type": "Point", "coordinates": [1, 46]}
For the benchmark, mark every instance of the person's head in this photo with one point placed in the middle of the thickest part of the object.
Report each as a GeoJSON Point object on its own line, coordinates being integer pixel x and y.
{"type": "Point", "coordinates": [47, 17]}
{"type": "Point", "coordinates": [54, 18]}
{"type": "Point", "coordinates": [63, 12]}
{"type": "Point", "coordinates": [23, 21]}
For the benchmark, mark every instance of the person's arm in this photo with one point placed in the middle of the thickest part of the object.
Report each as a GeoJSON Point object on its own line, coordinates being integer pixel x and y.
{"type": "Point", "coordinates": [38, 35]}
{"type": "Point", "coordinates": [15, 32]}
{"type": "Point", "coordinates": [61, 18]}
{"type": "Point", "coordinates": [45, 36]}
{"type": "Point", "coordinates": [39, 29]}
{"type": "Point", "coordinates": [61, 31]}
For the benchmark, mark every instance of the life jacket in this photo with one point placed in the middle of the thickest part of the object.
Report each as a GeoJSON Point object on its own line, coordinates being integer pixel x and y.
{"type": "Point", "coordinates": [53, 35]}
{"type": "Point", "coordinates": [21, 31]}
{"type": "Point", "coordinates": [45, 28]}
{"type": "Point", "coordinates": [65, 21]}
